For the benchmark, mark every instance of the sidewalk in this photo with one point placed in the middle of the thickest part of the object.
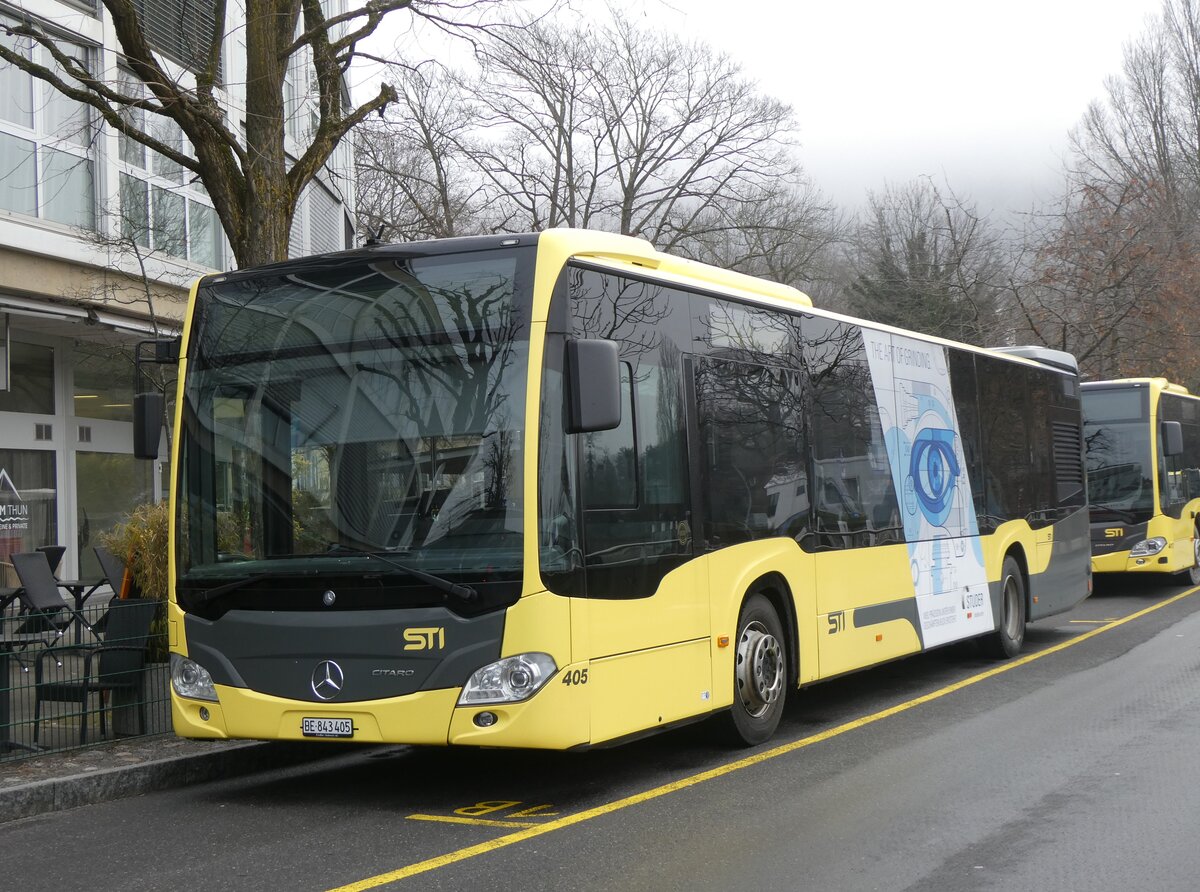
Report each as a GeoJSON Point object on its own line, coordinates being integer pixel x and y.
{"type": "Point", "coordinates": [136, 765]}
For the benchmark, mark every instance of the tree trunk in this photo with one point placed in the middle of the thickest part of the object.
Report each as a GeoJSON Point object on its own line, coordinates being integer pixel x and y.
{"type": "Point", "coordinates": [268, 199]}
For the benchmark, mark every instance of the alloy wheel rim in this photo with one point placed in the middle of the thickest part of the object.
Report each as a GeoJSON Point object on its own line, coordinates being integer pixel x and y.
{"type": "Point", "coordinates": [759, 669]}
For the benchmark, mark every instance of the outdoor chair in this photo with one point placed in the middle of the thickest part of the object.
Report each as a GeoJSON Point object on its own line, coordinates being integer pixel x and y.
{"type": "Point", "coordinates": [54, 555]}
{"type": "Point", "coordinates": [10, 586]}
{"type": "Point", "coordinates": [43, 607]}
{"type": "Point", "coordinates": [112, 567]}
{"type": "Point", "coordinates": [118, 664]}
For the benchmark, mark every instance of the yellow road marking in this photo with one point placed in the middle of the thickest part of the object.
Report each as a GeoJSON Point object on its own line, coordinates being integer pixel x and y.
{"type": "Point", "coordinates": [481, 822]}
{"type": "Point", "coordinates": [1092, 622]}
{"type": "Point", "coordinates": [501, 842]}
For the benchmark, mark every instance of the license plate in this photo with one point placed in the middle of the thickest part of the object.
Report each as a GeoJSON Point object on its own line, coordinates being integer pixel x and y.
{"type": "Point", "coordinates": [327, 727]}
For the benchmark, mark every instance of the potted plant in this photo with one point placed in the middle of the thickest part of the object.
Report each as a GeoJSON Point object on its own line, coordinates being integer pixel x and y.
{"type": "Point", "coordinates": [141, 541]}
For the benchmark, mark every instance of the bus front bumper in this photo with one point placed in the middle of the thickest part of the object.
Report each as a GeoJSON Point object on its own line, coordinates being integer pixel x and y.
{"type": "Point", "coordinates": [1122, 562]}
{"type": "Point", "coordinates": [556, 717]}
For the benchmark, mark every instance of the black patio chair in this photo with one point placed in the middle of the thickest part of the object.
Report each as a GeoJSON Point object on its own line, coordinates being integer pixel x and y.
{"type": "Point", "coordinates": [112, 567]}
{"type": "Point", "coordinates": [43, 607]}
{"type": "Point", "coordinates": [118, 664]}
{"type": "Point", "coordinates": [54, 555]}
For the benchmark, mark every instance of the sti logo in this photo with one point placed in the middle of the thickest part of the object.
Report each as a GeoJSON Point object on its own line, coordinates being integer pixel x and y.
{"type": "Point", "coordinates": [1114, 532]}
{"type": "Point", "coordinates": [429, 638]}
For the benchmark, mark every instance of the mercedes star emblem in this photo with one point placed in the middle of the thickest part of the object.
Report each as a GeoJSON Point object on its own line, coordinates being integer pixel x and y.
{"type": "Point", "coordinates": [327, 679]}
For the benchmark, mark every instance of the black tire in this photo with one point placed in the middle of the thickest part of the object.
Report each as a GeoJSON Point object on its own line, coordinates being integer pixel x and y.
{"type": "Point", "coordinates": [759, 673]}
{"type": "Point", "coordinates": [1005, 643]}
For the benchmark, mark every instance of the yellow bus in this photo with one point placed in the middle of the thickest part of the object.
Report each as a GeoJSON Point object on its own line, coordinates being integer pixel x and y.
{"type": "Point", "coordinates": [1143, 455]}
{"type": "Point", "coordinates": [562, 490]}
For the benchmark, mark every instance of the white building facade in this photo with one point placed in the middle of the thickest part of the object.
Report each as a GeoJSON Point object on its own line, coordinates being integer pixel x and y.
{"type": "Point", "coordinates": [99, 240]}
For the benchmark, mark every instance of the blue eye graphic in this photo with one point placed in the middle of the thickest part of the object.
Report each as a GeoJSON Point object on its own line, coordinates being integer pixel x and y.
{"type": "Point", "coordinates": [934, 470]}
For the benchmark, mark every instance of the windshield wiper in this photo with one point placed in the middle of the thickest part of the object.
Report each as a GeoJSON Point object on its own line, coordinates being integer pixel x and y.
{"type": "Point", "coordinates": [199, 599]}
{"type": "Point", "coordinates": [465, 592]}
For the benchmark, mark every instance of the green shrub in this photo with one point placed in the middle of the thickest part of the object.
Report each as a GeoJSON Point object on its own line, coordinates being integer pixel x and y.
{"type": "Point", "coordinates": [142, 542]}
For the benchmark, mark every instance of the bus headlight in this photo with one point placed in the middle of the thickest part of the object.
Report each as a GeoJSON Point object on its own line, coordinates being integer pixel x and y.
{"type": "Point", "coordinates": [190, 679]}
{"type": "Point", "coordinates": [508, 680]}
{"type": "Point", "coordinates": [1148, 547]}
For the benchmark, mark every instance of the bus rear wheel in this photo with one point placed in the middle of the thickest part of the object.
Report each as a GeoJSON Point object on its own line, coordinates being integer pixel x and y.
{"type": "Point", "coordinates": [759, 673]}
{"type": "Point", "coordinates": [1007, 640]}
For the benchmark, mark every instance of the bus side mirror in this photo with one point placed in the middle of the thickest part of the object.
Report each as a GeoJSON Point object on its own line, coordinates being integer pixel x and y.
{"type": "Point", "coordinates": [1172, 437]}
{"type": "Point", "coordinates": [147, 423]}
{"type": "Point", "coordinates": [594, 386]}
{"type": "Point", "coordinates": [148, 405]}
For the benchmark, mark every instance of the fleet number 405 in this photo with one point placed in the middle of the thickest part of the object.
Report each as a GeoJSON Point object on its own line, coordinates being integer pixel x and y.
{"type": "Point", "coordinates": [575, 676]}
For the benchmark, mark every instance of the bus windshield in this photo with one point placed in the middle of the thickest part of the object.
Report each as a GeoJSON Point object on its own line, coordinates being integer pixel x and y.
{"type": "Point", "coordinates": [339, 412]}
{"type": "Point", "coordinates": [1119, 466]}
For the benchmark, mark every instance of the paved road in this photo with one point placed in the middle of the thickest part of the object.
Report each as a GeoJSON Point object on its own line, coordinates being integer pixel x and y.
{"type": "Point", "coordinates": [1075, 768]}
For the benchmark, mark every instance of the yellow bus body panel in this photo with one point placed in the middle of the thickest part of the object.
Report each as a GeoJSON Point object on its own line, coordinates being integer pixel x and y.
{"type": "Point", "coordinates": [540, 623]}
{"type": "Point", "coordinates": [641, 648]}
{"type": "Point", "coordinates": [855, 647]}
{"type": "Point", "coordinates": [852, 579]}
{"type": "Point", "coordinates": [641, 691]}
{"type": "Point", "coordinates": [732, 573]}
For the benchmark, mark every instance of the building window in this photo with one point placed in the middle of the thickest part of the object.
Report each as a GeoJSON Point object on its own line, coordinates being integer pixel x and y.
{"type": "Point", "coordinates": [317, 226]}
{"type": "Point", "coordinates": [31, 380]}
{"type": "Point", "coordinates": [28, 500]}
{"type": "Point", "coordinates": [47, 168]}
{"type": "Point", "coordinates": [161, 207]}
{"type": "Point", "coordinates": [103, 383]}
{"type": "Point", "coordinates": [180, 30]}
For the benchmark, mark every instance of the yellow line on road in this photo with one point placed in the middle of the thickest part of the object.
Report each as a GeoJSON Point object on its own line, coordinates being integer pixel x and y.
{"type": "Point", "coordinates": [480, 822]}
{"type": "Point", "coordinates": [562, 823]}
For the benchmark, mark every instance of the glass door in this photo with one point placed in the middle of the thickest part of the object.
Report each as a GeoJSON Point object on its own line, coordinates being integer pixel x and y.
{"type": "Point", "coordinates": [29, 476]}
{"type": "Point", "coordinates": [109, 481]}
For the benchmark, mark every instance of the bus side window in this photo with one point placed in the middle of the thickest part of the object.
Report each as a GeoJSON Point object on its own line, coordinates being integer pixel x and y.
{"type": "Point", "coordinates": [636, 509]}
{"type": "Point", "coordinates": [966, 403]}
{"type": "Point", "coordinates": [755, 478]}
{"type": "Point", "coordinates": [856, 502]}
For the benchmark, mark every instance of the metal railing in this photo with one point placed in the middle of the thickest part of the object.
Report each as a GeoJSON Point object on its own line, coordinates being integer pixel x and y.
{"type": "Point", "coordinates": [44, 706]}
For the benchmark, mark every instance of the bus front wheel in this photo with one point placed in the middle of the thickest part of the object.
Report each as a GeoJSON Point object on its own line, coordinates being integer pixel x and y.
{"type": "Point", "coordinates": [759, 672]}
{"type": "Point", "coordinates": [1006, 641]}
{"type": "Point", "coordinates": [1193, 574]}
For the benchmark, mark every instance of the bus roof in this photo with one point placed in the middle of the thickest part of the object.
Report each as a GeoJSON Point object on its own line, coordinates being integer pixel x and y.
{"type": "Point", "coordinates": [1156, 383]}
{"type": "Point", "coordinates": [636, 255]}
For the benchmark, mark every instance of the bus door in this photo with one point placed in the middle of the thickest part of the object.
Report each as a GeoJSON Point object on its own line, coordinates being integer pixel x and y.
{"type": "Point", "coordinates": [644, 622]}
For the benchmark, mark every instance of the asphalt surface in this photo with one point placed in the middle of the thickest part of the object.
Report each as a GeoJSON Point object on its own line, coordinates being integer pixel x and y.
{"type": "Point", "coordinates": [944, 772]}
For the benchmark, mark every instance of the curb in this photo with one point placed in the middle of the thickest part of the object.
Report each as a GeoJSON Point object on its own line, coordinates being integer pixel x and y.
{"type": "Point", "coordinates": [106, 784]}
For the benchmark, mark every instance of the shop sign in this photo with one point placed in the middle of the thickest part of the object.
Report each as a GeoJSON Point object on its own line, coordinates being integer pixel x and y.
{"type": "Point", "coordinates": [14, 512]}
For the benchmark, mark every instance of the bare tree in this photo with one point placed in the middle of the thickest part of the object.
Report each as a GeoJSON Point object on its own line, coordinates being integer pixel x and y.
{"type": "Point", "coordinates": [1112, 269]}
{"type": "Point", "coordinates": [1108, 282]}
{"type": "Point", "coordinates": [925, 259]}
{"type": "Point", "coordinates": [541, 144]}
{"type": "Point", "coordinates": [609, 126]}
{"type": "Point", "coordinates": [787, 232]}
{"type": "Point", "coordinates": [413, 182]}
{"type": "Point", "coordinates": [253, 182]}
